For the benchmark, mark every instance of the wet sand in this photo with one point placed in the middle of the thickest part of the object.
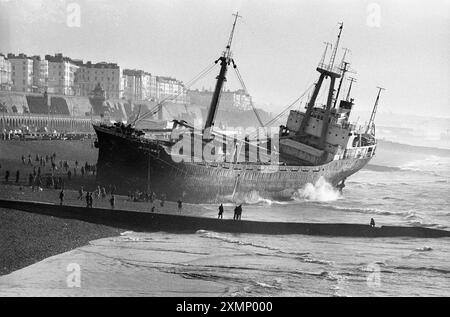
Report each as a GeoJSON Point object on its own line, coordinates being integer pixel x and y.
{"type": "Point", "coordinates": [134, 268]}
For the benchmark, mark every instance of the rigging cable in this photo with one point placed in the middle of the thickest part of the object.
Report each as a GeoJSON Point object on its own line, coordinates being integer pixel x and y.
{"type": "Point", "coordinates": [241, 80]}
{"type": "Point", "coordinates": [243, 141]}
{"type": "Point", "coordinates": [155, 109]}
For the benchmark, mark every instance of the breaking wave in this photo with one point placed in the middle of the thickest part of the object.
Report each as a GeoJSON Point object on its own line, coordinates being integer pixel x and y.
{"type": "Point", "coordinates": [382, 168]}
{"type": "Point", "coordinates": [424, 249]}
{"type": "Point", "coordinates": [410, 216]}
{"type": "Point", "coordinates": [217, 236]}
{"type": "Point", "coordinates": [321, 191]}
{"type": "Point", "coordinates": [301, 256]}
{"type": "Point", "coordinates": [423, 268]}
{"type": "Point", "coordinates": [251, 198]}
{"type": "Point", "coordinates": [368, 211]}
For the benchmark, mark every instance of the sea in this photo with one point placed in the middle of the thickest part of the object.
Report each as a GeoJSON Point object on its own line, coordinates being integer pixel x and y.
{"type": "Point", "coordinates": [402, 185]}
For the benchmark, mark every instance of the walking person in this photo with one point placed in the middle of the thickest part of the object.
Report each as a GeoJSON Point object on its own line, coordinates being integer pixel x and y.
{"type": "Point", "coordinates": [239, 212]}
{"type": "Point", "coordinates": [220, 216]}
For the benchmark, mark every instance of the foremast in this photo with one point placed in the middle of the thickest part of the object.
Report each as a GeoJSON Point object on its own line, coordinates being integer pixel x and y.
{"type": "Point", "coordinates": [225, 61]}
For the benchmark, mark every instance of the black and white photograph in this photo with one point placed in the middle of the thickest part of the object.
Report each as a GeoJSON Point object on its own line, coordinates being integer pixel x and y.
{"type": "Point", "coordinates": [235, 151]}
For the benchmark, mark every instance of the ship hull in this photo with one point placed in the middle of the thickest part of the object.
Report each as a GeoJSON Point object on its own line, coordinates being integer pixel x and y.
{"type": "Point", "coordinates": [131, 163]}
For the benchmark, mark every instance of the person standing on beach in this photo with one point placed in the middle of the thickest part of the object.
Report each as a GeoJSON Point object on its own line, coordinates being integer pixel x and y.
{"type": "Point", "coordinates": [220, 212]}
{"type": "Point", "coordinates": [372, 223]}
{"type": "Point", "coordinates": [6, 176]}
{"type": "Point", "coordinates": [87, 199]}
{"type": "Point", "coordinates": [91, 200]}
{"type": "Point", "coordinates": [112, 201]}
{"type": "Point", "coordinates": [236, 211]}
{"type": "Point", "coordinates": [80, 192]}
{"type": "Point", "coordinates": [180, 205]}
{"type": "Point", "coordinates": [17, 176]}
{"type": "Point", "coordinates": [239, 212]}
{"type": "Point", "coordinates": [61, 197]}
{"type": "Point", "coordinates": [103, 192]}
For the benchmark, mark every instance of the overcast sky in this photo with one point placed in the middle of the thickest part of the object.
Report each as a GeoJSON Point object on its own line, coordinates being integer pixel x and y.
{"type": "Point", "coordinates": [402, 45]}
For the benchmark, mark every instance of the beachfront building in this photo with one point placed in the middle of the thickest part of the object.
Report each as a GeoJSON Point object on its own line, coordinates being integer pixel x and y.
{"type": "Point", "coordinates": [139, 85]}
{"type": "Point", "coordinates": [242, 100]}
{"type": "Point", "coordinates": [170, 89]}
{"type": "Point", "coordinates": [21, 72]}
{"type": "Point", "coordinates": [5, 73]}
{"type": "Point", "coordinates": [40, 74]}
{"type": "Point", "coordinates": [61, 74]}
{"type": "Point", "coordinates": [237, 99]}
{"type": "Point", "coordinates": [108, 75]}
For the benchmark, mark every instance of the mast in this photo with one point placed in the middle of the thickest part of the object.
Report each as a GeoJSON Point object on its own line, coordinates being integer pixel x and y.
{"type": "Point", "coordinates": [333, 55]}
{"type": "Point", "coordinates": [352, 80]}
{"type": "Point", "coordinates": [225, 61]}
{"type": "Point", "coordinates": [325, 70]}
{"type": "Point", "coordinates": [344, 70]}
{"type": "Point", "coordinates": [371, 125]}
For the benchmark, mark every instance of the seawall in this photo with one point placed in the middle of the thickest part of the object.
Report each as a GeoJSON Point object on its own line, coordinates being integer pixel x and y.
{"type": "Point", "coordinates": [141, 221]}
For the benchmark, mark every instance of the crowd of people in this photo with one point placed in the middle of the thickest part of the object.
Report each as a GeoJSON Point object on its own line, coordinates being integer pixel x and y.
{"type": "Point", "coordinates": [45, 171]}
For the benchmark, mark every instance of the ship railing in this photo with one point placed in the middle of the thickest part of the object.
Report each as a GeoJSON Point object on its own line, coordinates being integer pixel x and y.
{"type": "Point", "coordinates": [332, 69]}
{"type": "Point", "coordinates": [360, 152]}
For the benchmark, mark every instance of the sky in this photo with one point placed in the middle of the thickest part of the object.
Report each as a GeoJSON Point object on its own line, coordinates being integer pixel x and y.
{"type": "Point", "coordinates": [401, 45]}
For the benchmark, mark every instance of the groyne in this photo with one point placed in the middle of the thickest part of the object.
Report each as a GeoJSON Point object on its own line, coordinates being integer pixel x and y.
{"type": "Point", "coordinates": [146, 221]}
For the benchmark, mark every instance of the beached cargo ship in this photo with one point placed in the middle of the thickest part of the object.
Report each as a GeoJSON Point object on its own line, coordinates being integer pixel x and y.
{"type": "Point", "coordinates": [317, 142]}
